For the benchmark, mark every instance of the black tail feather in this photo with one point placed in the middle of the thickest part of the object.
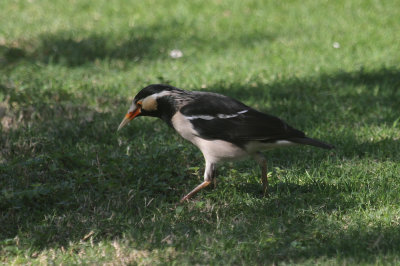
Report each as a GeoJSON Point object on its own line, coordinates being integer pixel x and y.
{"type": "Point", "coordinates": [312, 142]}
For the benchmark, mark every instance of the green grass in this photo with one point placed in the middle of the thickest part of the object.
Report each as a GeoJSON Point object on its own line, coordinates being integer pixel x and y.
{"type": "Point", "coordinates": [73, 190]}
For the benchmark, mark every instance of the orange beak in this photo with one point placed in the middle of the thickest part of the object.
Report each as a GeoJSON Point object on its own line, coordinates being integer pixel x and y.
{"type": "Point", "coordinates": [128, 117]}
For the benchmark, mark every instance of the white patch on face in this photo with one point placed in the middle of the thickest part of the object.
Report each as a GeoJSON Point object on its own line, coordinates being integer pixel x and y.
{"type": "Point", "coordinates": [149, 103]}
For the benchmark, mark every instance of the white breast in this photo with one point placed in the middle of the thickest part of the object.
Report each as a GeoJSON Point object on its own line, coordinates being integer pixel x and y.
{"type": "Point", "coordinates": [183, 126]}
{"type": "Point", "coordinates": [213, 150]}
{"type": "Point", "coordinates": [219, 150]}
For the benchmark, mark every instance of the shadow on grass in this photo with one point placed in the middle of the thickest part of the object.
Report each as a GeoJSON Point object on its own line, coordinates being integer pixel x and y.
{"type": "Point", "coordinates": [9, 55]}
{"type": "Point", "coordinates": [140, 43]}
{"type": "Point", "coordinates": [66, 172]}
{"type": "Point", "coordinates": [371, 97]}
{"type": "Point", "coordinates": [312, 221]}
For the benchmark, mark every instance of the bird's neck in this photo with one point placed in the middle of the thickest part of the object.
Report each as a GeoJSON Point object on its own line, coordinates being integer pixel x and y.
{"type": "Point", "coordinates": [167, 109]}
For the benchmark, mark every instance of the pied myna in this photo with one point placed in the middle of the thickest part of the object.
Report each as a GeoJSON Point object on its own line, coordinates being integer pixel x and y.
{"type": "Point", "coordinates": [221, 127]}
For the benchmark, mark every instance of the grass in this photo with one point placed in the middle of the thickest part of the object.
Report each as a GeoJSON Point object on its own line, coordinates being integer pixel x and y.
{"type": "Point", "coordinates": [75, 191]}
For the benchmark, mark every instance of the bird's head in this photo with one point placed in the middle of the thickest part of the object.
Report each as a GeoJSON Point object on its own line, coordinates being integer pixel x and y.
{"type": "Point", "coordinates": [154, 100]}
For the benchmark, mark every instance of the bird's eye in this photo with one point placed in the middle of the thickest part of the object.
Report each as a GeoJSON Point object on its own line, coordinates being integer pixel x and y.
{"type": "Point", "coordinates": [139, 103]}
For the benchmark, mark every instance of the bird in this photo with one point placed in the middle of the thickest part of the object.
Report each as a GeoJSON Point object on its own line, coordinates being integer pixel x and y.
{"type": "Point", "coordinates": [223, 128]}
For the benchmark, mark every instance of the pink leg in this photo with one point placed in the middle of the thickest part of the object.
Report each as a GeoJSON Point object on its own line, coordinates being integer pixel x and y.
{"type": "Point", "coordinates": [195, 190]}
{"type": "Point", "coordinates": [208, 177]}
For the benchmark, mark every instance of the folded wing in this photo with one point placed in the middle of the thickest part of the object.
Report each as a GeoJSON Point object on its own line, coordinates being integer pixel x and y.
{"type": "Point", "coordinates": [220, 117]}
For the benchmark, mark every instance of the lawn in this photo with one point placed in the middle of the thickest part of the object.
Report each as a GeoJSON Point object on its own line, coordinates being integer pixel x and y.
{"type": "Point", "coordinates": [73, 190]}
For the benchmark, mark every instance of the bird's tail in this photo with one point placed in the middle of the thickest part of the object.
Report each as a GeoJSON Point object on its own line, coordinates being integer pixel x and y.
{"type": "Point", "coordinates": [312, 142]}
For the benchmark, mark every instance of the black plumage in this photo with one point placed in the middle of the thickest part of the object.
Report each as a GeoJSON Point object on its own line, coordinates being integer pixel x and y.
{"type": "Point", "coordinates": [222, 127]}
{"type": "Point", "coordinates": [251, 125]}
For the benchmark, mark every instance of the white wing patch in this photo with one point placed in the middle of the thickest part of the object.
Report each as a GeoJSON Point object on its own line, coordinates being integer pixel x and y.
{"type": "Point", "coordinates": [205, 117]}
{"type": "Point", "coordinates": [209, 117]}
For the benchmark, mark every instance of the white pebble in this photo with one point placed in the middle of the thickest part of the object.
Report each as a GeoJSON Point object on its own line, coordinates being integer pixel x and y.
{"type": "Point", "coordinates": [176, 53]}
{"type": "Point", "coordinates": [336, 45]}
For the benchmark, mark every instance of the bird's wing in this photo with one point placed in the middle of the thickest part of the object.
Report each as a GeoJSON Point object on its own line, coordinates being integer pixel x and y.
{"type": "Point", "coordinates": [215, 116]}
